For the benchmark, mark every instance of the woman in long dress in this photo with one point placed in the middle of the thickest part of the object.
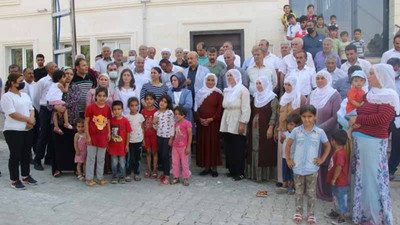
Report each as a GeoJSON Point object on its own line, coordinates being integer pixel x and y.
{"type": "Point", "coordinates": [208, 113]}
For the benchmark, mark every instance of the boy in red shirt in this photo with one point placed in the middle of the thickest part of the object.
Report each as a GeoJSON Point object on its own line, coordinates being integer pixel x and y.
{"type": "Point", "coordinates": [119, 143]}
{"type": "Point", "coordinates": [338, 175]}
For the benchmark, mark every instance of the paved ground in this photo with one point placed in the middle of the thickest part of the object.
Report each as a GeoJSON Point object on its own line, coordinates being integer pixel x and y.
{"type": "Point", "coordinates": [207, 200]}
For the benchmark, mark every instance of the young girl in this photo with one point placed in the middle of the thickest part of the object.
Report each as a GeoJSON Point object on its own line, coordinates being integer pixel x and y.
{"type": "Point", "coordinates": [150, 135]}
{"type": "Point", "coordinates": [98, 134]}
{"type": "Point", "coordinates": [164, 124]}
{"type": "Point", "coordinates": [180, 143]}
{"type": "Point", "coordinates": [54, 97]}
{"type": "Point", "coordinates": [80, 148]}
{"type": "Point", "coordinates": [135, 141]}
{"type": "Point", "coordinates": [126, 89]}
{"type": "Point", "coordinates": [306, 162]}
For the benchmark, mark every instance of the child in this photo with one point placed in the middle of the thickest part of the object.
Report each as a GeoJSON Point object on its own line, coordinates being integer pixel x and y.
{"type": "Point", "coordinates": [303, 27]}
{"type": "Point", "coordinates": [285, 17]}
{"type": "Point", "coordinates": [135, 141]}
{"type": "Point", "coordinates": [355, 95]}
{"type": "Point", "coordinates": [344, 36]}
{"type": "Point", "coordinates": [310, 11]}
{"type": "Point", "coordinates": [333, 33]}
{"type": "Point", "coordinates": [150, 135]}
{"type": "Point", "coordinates": [119, 143]}
{"type": "Point", "coordinates": [338, 175]}
{"type": "Point", "coordinates": [164, 124]}
{"type": "Point", "coordinates": [180, 143]}
{"type": "Point", "coordinates": [359, 43]}
{"type": "Point", "coordinates": [321, 27]}
{"type": "Point", "coordinates": [80, 148]}
{"type": "Point", "coordinates": [332, 18]}
{"type": "Point", "coordinates": [98, 134]}
{"type": "Point", "coordinates": [292, 121]}
{"type": "Point", "coordinates": [294, 26]}
{"type": "Point", "coordinates": [305, 162]}
{"type": "Point", "coordinates": [54, 97]}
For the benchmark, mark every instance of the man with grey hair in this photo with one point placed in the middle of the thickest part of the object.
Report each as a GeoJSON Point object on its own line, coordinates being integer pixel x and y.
{"type": "Point", "coordinates": [148, 62]}
{"type": "Point", "coordinates": [131, 58]}
{"type": "Point", "coordinates": [332, 68]}
{"type": "Point", "coordinates": [229, 46]}
{"type": "Point", "coordinates": [101, 64]}
{"type": "Point", "coordinates": [180, 61]}
{"type": "Point", "coordinates": [195, 73]}
{"type": "Point", "coordinates": [305, 75]}
{"type": "Point", "coordinates": [269, 57]}
{"type": "Point", "coordinates": [321, 56]}
{"type": "Point", "coordinates": [229, 57]}
{"type": "Point", "coordinates": [118, 56]}
{"type": "Point", "coordinates": [165, 53]}
{"type": "Point", "coordinates": [290, 60]}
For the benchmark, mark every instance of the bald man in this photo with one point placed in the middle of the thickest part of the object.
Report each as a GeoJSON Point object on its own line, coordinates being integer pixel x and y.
{"type": "Point", "coordinates": [195, 73]}
{"type": "Point", "coordinates": [101, 64]}
{"type": "Point", "coordinates": [229, 46]}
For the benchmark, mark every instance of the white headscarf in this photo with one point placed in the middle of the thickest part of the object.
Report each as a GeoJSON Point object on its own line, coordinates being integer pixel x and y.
{"type": "Point", "coordinates": [294, 96]}
{"type": "Point", "coordinates": [320, 96]}
{"type": "Point", "coordinates": [261, 98]}
{"type": "Point", "coordinates": [204, 92]}
{"type": "Point", "coordinates": [230, 93]}
{"type": "Point", "coordinates": [387, 94]}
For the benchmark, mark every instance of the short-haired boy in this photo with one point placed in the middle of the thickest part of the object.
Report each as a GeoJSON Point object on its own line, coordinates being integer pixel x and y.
{"type": "Point", "coordinates": [344, 36]}
{"type": "Point", "coordinates": [359, 43]}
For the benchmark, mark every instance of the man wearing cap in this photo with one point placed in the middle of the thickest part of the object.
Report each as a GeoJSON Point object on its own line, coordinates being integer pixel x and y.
{"type": "Point", "coordinates": [165, 53]}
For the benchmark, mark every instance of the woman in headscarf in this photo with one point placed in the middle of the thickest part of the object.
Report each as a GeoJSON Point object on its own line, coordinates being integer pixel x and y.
{"type": "Point", "coordinates": [262, 152]}
{"type": "Point", "coordinates": [290, 102]}
{"type": "Point", "coordinates": [327, 102]}
{"type": "Point", "coordinates": [208, 113]}
{"type": "Point", "coordinates": [234, 120]}
{"type": "Point", "coordinates": [369, 166]}
{"type": "Point", "coordinates": [102, 81]}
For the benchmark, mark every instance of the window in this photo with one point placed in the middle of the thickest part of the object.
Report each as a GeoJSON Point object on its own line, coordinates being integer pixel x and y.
{"type": "Point", "coordinates": [123, 44]}
{"type": "Point", "coordinates": [83, 48]}
{"type": "Point", "coordinates": [22, 56]}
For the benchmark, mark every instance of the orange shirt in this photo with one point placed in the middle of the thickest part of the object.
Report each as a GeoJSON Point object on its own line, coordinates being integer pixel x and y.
{"type": "Point", "coordinates": [356, 95]}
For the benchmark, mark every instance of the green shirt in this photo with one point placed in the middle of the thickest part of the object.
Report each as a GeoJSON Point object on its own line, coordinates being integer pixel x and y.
{"type": "Point", "coordinates": [336, 46]}
{"type": "Point", "coordinates": [217, 68]}
{"type": "Point", "coordinates": [203, 60]}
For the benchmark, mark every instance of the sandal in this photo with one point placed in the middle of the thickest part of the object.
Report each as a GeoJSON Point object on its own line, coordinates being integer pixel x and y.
{"type": "Point", "coordinates": [68, 126]}
{"type": "Point", "coordinates": [137, 178]}
{"type": "Point", "coordinates": [311, 219]}
{"type": "Point", "coordinates": [147, 175]}
{"type": "Point", "coordinates": [262, 194]}
{"type": "Point", "coordinates": [57, 130]}
{"type": "Point", "coordinates": [91, 183]}
{"type": "Point", "coordinates": [154, 175]}
{"type": "Point", "coordinates": [57, 173]}
{"type": "Point", "coordinates": [164, 182]}
{"type": "Point", "coordinates": [297, 218]}
{"type": "Point", "coordinates": [102, 182]}
{"type": "Point", "coordinates": [80, 177]}
{"type": "Point", "coordinates": [186, 182]}
{"type": "Point", "coordinates": [175, 181]}
{"type": "Point", "coordinates": [161, 177]}
{"type": "Point", "coordinates": [291, 191]}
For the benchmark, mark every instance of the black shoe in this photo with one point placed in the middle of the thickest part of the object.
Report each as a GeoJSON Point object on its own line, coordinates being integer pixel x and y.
{"type": "Point", "coordinates": [32, 161]}
{"type": "Point", "coordinates": [229, 175]}
{"type": "Point", "coordinates": [333, 214]}
{"type": "Point", "coordinates": [279, 184]}
{"type": "Point", "coordinates": [38, 166]}
{"type": "Point", "coordinates": [18, 185]}
{"type": "Point", "coordinates": [29, 180]}
{"type": "Point", "coordinates": [205, 172]}
{"type": "Point", "coordinates": [214, 173]}
{"type": "Point", "coordinates": [238, 178]}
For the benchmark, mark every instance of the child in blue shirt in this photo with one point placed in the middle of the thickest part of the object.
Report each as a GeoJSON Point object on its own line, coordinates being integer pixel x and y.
{"type": "Point", "coordinates": [306, 160]}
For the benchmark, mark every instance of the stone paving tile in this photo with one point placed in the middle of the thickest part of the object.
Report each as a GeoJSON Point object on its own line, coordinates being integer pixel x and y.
{"type": "Point", "coordinates": [207, 200]}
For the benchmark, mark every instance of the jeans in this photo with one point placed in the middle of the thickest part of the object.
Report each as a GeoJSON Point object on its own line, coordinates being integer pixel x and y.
{"type": "Point", "coordinates": [287, 173]}
{"type": "Point", "coordinates": [163, 152]}
{"type": "Point", "coordinates": [95, 154]}
{"type": "Point", "coordinates": [340, 194]}
{"type": "Point", "coordinates": [133, 158]}
{"type": "Point", "coordinates": [44, 139]}
{"type": "Point", "coordinates": [19, 143]}
{"type": "Point", "coordinates": [115, 159]}
{"type": "Point", "coordinates": [394, 159]}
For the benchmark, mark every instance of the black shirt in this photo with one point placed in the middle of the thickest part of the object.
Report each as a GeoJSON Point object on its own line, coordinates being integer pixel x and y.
{"type": "Point", "coordinates": [85, 84]}
{"type": "Point", "coordinates": [183, 65]}
{"type": "Point", "coordinates": [39, 73]}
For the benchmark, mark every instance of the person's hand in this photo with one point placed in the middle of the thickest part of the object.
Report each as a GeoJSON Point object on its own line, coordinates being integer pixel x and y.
{"type": "Point", "coordinates": [109, 137]}
{"type": "Point", "coordinates": [290, 163]}
{"type": "Point", "coordinates": [361, 104]}
{"type": "Point", "coordinates": [356, 126]}
{"type": "Point", "coordinates": [283, 137]}
{"type": "Point", "coordinates": [77, 153]}
{"type": "Point", "coordinates": [333, 182]}
{"type": "Point", "coordinates": [28, 126]}
{"type": "Point", "coordinates": [127, 149]}
{"type": "Point", "coordinates": [270, 132]}
{"type": "Point", "coordinates": [60, 108]}
{"type": "Point", "coordinates": [188, 81]}
{"type": "Point", "coordinates": [144, 143]}
{"type": "Point", "coordinates": [276, 136]}
{"type": "Point", "coordinates": [352, 120]}
{"type": "Point", "coordinates": [31, 121]}
{"type": "Point", "coordinates": [241, 129]}
{"type": "Point", "coordinates": [170, 142]}
{"type": "Point", "coordinates": [318, 161]}
{"type": "Point", "coordinates": [88, 140]}
{"type": "Point", "coordinates": [155, 120]}
{"type": "Point", "coordinates": [209, 120]}
{"type": "Point", "coordinates": [187, 151]}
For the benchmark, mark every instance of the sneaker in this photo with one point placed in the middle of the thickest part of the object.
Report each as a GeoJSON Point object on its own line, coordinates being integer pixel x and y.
{"type": "Point", "coordinates": [333, 214]}
{"type": "Point", "coordinates": [29, 180]}
{"type": "Point", "coordinates": [18, 185]}
{"type": "Point", "coordinates": [121, 180]}
{"type": "Point", "coordinates": [38, 166]}
{"type": "Point", "coordinates": [114, 180]}
{"type": "Point", "coordinates": [128, 179]}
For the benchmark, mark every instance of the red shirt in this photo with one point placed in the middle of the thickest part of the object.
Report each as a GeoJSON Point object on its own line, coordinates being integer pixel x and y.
{"type": "Point", "coordinates": [339, 158]}
{"type": "Point", "coordinates": [98, 120]}
{"type": "Point", "coordinates": [148, 121]}
{"type": "Point", "coordinates": [301, 33]}
{"type": "Point", "coordinates": [119, 129]}
{"type": "Point", "coordinates": [356, 95]}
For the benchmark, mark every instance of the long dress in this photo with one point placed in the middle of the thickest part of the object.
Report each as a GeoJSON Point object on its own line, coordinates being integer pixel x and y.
{"type": "Point", "coordinates": [326, 120]}
{"type": "Point", "coordinates": [262, 152]}
{"type": "Point", "coordinates": [208, 151]}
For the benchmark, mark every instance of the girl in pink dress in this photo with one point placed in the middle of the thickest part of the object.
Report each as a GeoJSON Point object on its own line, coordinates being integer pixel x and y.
{"type": "Point", "coordinates": [80, 149]}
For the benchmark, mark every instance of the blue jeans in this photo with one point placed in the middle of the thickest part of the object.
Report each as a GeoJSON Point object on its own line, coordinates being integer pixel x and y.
{"type": "Point", "coordinates": [115, 159]}
{"type": "Point", "coordinates": [340, 194]}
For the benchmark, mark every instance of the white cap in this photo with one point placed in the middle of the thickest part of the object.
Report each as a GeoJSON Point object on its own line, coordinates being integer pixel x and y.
{"type": "Point", "coordinates": [166, 50]}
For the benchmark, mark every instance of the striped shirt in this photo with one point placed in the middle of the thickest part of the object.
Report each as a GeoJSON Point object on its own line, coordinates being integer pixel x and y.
{"type": "Point", "coordinates": [374, 119]}
{"type": "Point", "coordinates": [360, 47]}
{"type": "Point", "coordinates": [157, 90]}
{"type": "Point", "coordinates": [85, 84]}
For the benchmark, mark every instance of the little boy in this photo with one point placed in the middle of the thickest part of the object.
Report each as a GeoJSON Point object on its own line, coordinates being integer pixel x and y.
{"type": "Point", "coordinates": [359, 43]}
{"type": "Point", "coordinates": [338, 175]}
{"type": "Point", "coordinates": [119, 143]}
{"type": "Point", "coordinates": [294, 26]}
{"type": "Point", "coordinates": [333, 33]}
{"type": "Point", "coordinates": [355, 96]}
{"type": "Point", "coordinates": [333, 21]}
{"type": "Point", "coordinates": [344, 36]}
{"type": "Point", "coordinates": [303, 27]}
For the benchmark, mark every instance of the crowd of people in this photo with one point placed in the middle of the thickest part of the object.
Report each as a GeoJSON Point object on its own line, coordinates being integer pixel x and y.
{"type": "Point", "coordinates": [316, 119]}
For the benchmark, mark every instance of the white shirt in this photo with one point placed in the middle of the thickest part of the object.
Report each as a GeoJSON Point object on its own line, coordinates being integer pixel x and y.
{"type": "Point", "coordinates": [54, 93]}
{"type": "Point", "coordinates": [291, 63]}
{"type": "Point", "coordinates": [237, 60]}
{"type": "Point", "coordinates": [305, 79]}
{"type": "Point", "coordinates": [12, 103]}
{"type": "Point", "coordinates": [266, 70]}
{"type": "Point", "coordinates": [136, 121]}
{"type": "Point", "coordinates": [141, 79]}
{"type": "Point", "coordinates": [336, 74]}
{"type": "Point", "coordinates": [29, 89]}
{"type": "Point", "coordinates": [41, 89]}
{"type": "Point", "coordinates": [292, 30]}
{"type": "Point", "coordinates": [101, 65]}
{"type": "Point", "coordinates": [149, 64]}
{"type": "Point", "coordinates": [166, 77]}
{"type": "Point", "coordinates": [123, 95]}
{"type": "Point", "coordinates": [270, 58]}
{"type": "Point", "coordinates": [392, 53]}
{"type": "Point", "coordinates": [364, 64]}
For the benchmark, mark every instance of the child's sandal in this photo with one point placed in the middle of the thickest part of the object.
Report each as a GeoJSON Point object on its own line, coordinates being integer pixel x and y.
{"type": "Point", "coordinates": [91, 183]}
{"type": "Point", "coordinates": [147, 175]}
{"type": "Point", "coordinates": [154, 175]}
{"type": "Point", "coordinates": [262, 194]}
{"type": "Point", "coordinates": [185, 182]}
{"type": "Point", "coordinates": [80, 177]}
{"type": "Point", "coordinates": [297, 218]}
{"type": "Point", "coordinates": [137, 178]}
{"type": "Point", "coordinates": [175, 181]}
{"type": "Point", "coordinates": [311, 219]}
{"type": "Point", "coordinates": [291, 191]}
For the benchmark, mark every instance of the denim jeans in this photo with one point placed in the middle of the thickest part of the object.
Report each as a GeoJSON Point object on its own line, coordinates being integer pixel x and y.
{"type": "Point", "coordinates": [340, 195]}
{"type": "Point", "coordinates": [115, 159]}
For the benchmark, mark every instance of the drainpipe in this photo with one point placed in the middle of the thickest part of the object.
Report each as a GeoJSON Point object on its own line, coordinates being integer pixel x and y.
{"type": "Point", "coordinates": [144, 20]}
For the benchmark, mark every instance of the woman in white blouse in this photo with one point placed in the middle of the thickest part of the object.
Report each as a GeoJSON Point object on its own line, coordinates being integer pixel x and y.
{"type": "Point", "coordinates": [236, 115]}
{"type": "Point", "coordinates": [20, 119]}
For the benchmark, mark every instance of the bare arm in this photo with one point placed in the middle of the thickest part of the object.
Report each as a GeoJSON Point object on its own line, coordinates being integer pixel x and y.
{"type": "Point", "coordinates": [63, 88]}
{"type": "Point", "coordinates": [357, 104]}
{"type": "Point", "coordinates": [76, 137]}
{"type": "Point", "coordinates": [327, 150]}
{"type": "Point", "coordinates": [289, 160]}
{"type": "Point", "coordinates": [88, 140]}
{"type": "Point", "coordinates": [189, 130]}
{"type": "Point", "coordinates": [338, 169]}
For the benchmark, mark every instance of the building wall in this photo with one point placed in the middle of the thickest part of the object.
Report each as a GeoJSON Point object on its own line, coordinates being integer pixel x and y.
{"type": "Point", "coordinates": [168, 23]}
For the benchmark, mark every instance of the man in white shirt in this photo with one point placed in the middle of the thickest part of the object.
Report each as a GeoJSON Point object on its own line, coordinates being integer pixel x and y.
{"type": "Point", "coordinates": [259, 69]}
{"type": "Point", "coordinates": [331, 67]}
{"type": "Point", "coordinates": [165, 53]}
{"type": "Point", "coordinates": [151, 53]}
{"type": "Point", "coordinates": [269, 57]}
{"type": "Point", "coordinates": [112, 72]}
{"type": "Point", "coordinates": [394, 52]}
{"type": "Point", "coordinates": [101, 64]}
{"type": "Point", "coordinates": [290, 60]}
{"type": "Point", "coordinates": [141, 75]}
{"type": "Point", "coordinates": [40, 103]}
{"type": "Point", "coordinates": [148, 62]}
{"type": "Point", "coordinates": [293, 27]}
{"type": "Point", "coordinates": [352, 59]}
{"type": "Point", "coordinates": [305, 74]}
{"type": "Point", "coordinates": [228, 46]}
{"type": "Point", "coordinates": [168, 69]}
{"type": "Point", "coordinates": [131, 58]}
